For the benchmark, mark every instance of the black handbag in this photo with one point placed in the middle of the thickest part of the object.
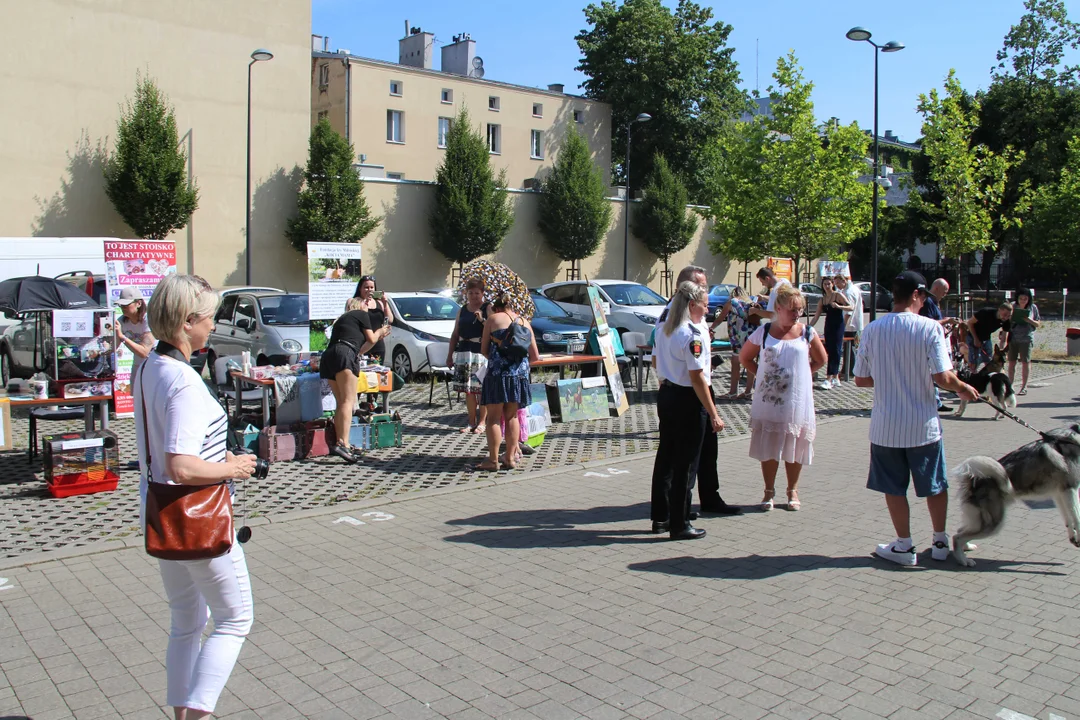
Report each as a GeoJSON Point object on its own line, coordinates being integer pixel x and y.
{"type": "Point", "coordinates": [514, 345]}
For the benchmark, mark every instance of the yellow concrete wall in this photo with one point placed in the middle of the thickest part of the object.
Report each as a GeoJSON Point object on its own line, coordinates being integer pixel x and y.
{"type": "Point", "coordinates": [420, 101]}
{"type": "Point", "coordinates": [400, 253]}
{"type": "Point", "coordinates": [66, 66]}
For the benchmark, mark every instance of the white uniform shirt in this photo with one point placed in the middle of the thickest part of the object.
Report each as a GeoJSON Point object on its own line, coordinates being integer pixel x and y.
{"type": "Point", "coordinates": [687, 348]}
{"type": "Point", "coordinates": [772, 294]}
{"type": "Point", "coordinates": [856, 321]}
{"type": "Point", "coordinates": [183, 418]}
{"type": "Point", "coordinates": [900, 351]}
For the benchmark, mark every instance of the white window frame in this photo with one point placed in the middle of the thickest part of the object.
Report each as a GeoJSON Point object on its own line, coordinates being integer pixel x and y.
{"type": "Point", "coordinates": [446, 97]}
{"type": "Point", "coordinates": [536, 144]}
{"type": "Point", "coordinates": [390, 136]}
{"type": "Point", "coordinates": [397, 88]}
{"type": "Point", "coordinates": [494, 148]}
{"type": "Point", "coordinates": [538, 110]}
{"type": "Point", "coordinates": [395, 176]}
{"type": "Point", "coordinates": [494, 104]}
{"type": "Point", "coordinates": [440, 136]}
{"type": "Point", "coordinates": [324, 75]}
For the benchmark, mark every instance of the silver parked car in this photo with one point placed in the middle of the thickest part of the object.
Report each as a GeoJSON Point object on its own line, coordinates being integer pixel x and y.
{"type": "Point", "coordinates": [270, 325]}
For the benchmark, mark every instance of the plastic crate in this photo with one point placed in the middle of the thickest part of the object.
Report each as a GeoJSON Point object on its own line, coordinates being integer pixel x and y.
{"type": "Point", "coordinates": [248, 438]}
{"type": "Point", "coordinates": [277, 443]}
{"type": "Point", "coordinates": [535, 441]}
{"type": "Point", "coordinates": [382, 431]}
{"type": "Point", "coordinates": [81, 463]}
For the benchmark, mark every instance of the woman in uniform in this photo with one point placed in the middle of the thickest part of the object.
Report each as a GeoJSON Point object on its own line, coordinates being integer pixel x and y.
{"type": "Point", "coordinates": [683, 361]}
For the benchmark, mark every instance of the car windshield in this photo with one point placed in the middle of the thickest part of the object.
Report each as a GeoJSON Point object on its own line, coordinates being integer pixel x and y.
{"type": "Point", "coordinates": [418, 309]}
{"type": "Point", "coordinates": [284, 309]}
{"type": "Point", "coordinates": [633, 294]}
{"type": "Point", "coordinates": [547, 308]}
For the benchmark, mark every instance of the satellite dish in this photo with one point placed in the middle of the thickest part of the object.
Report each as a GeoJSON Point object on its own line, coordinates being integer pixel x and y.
{"type": "Point", "coordinates": [478, 73]}
{"type": "Point", "coordinates": [477, 62]}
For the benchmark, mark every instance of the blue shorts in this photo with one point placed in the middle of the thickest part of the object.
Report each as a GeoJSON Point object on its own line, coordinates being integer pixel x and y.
{"type": "Point", "coordinates": [890, 469]}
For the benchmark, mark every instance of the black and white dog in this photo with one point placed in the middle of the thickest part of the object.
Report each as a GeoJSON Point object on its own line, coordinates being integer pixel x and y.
{"type": "Point", "coordinates": [1048, 468]}
{"type": "Point", "coordinates": [991, 383]}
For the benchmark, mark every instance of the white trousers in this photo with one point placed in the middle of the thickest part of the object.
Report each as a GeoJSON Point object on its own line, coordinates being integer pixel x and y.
{"type": "Point", "coordinates": [196, 670]}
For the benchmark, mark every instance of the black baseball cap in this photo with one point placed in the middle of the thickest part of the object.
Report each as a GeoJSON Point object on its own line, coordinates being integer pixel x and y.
{"type": "Point", "coordinates": [908, 282]}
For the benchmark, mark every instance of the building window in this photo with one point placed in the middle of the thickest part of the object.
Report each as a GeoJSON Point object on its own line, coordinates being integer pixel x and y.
{"type": "Point", "coordinates": [494, 138]}
{"type": "Point", "coordinates": [324, 75]}
{"type": "Point", "coordinates": [538, 110]}
{"type": "Point", "coordinates": [447, 96]}
{"type": "Point", "coordinates": [536, 145]}
{"type": "Point", "coordinates": [579, 117]}
{"type": "Point", "coordinates": [395, 176]}
{"type": "Point", "coordinates": [395, 87]}
{"type": "Point", "coordinates": [493, 103]}
{"type": "Point", "coordinates": [395, 126]}
{"type": "Point", "coordinates": [444, 130]}
{"type": "Point", "coordinates": [323, 114]}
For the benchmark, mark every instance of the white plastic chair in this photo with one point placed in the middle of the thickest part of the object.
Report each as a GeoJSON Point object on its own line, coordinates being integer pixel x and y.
{"type": "Point", "coordinates": [642, 358]}
{"type": "Point", "coordinates": [436, 357]}
{"type": "Point", "coordinates": [226, 389]}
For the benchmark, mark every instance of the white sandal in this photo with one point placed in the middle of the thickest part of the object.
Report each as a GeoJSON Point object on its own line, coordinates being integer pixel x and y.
{"type": "Point", "coordinates": [767, 502]}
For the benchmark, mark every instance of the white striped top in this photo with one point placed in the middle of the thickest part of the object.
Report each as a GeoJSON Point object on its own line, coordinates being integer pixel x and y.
{"type": "Point", "coordinates": [900, 351]}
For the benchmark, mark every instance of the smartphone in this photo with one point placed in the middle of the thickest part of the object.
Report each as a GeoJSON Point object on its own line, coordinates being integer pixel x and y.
{"type": "Point", "coordinates": [377, 294]}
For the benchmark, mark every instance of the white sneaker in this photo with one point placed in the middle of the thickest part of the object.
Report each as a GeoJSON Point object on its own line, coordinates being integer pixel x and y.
{"type": "Point", "coordinates": [940, 551]}
{"type": "Point", "coordinates": [900, 557]}
{"type": "Point", "coordinates": [824, 385]}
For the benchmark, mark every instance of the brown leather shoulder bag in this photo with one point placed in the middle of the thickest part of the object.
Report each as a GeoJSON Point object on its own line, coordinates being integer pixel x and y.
{"type": "Point", "coordinates": [184, 522]}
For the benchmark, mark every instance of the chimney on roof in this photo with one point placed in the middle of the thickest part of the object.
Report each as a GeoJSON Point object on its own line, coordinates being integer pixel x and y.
{"type": "Point", "coordinates": [459, 57]}
{"type": "Point", "coordinates": [556, 87]}
{"type": "Point", "coordinates": [317, 40]}
{"type": "Point", "coordinates": [889, 135]}
{"type": "Point", "coordinates": [415, 49]}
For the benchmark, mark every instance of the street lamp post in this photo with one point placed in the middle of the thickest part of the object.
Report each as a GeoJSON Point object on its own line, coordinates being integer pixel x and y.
{"type": "Point", "coordinates": [259, 55]}
{"type": "Point", "coordinates": [860, 34]}
{"type": "Point", "coordinates": [643, 117]}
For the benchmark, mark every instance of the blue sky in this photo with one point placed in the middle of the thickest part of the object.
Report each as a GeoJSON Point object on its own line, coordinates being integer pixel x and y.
{"type": "Point", "coordinates": [533, 44]}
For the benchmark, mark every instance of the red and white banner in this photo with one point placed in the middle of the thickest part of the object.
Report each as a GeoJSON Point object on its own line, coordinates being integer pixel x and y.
{"type": "Point", "coordinates": [141, 264]}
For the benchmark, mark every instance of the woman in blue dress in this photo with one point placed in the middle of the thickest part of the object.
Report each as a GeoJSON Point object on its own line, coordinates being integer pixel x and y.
{"type": "Point", "coordinates": [506, 384]}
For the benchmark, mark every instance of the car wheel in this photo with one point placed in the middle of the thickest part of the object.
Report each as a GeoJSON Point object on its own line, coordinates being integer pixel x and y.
{"type": "Point", "coordinates": [5, 367]}
{"type": "Point", "coordinates": [402, 363]}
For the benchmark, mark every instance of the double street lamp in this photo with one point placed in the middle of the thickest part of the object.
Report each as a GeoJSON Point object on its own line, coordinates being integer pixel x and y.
{"type": "Point", "coordinates": [643, 117]}
{"type": "Point", "coordinates": [259, 55]}
{"type": "Point", "coordinates": [860, 34]}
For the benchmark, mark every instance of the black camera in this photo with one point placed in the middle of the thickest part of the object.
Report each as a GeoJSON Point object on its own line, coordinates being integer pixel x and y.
{"type": "Point", "coordinates": [262, 468]}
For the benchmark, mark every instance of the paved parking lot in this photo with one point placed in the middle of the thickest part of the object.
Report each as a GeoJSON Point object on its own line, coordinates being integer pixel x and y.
{"type": "Point", "coordinates": [542, 595]}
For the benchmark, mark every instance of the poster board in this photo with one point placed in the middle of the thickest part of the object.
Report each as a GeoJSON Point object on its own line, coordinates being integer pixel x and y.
{"type": "Point", "coordinates": [133, 263]}
{"type": "Point", "coordinates": [783, 267]}
{"type": "Point", "coordinates": [583, 399]}
{"type": "Point", "coordinates": [334, 269]}
{"type": "Point", "coordinates": [597, 306]}
{"type": "Point", "coordinates": [614, 377]}
{"type": "Point", "coordinates": [832, 268]}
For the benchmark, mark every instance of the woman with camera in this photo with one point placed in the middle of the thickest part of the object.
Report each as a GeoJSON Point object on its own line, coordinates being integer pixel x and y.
{"type": "Point", "coordinates": [509, 344]}
{"type": "Point", "coordinates": [351, 338]}
{"type": "Point", "coordinates": [181, 432]}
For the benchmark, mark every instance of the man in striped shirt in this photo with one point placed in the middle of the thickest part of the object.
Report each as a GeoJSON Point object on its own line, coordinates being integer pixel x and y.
{"type": "Point", "coordinates": [902, 356]}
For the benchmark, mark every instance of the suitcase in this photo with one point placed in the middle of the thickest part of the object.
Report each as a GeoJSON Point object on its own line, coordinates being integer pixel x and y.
{"type": "Point", "coordinates": [319, 438]}
{"type": "Point", "coordinates": [277, 443]}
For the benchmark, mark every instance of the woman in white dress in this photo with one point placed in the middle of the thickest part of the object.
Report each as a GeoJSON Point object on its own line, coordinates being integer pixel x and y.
{"type": "Point", "coordinates": [784, 355]}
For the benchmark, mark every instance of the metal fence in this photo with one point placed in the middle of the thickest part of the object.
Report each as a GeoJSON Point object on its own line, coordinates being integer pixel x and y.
{"type": "Point", "coordinates": [1053, 304]}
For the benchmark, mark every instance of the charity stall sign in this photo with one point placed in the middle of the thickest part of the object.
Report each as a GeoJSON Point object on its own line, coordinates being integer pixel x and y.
{"type": "Point", "coordinates": [334, 271]}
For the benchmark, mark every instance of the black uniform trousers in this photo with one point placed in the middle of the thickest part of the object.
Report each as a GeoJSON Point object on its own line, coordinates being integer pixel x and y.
{"type": "Point", "coordinates": [682, 428]}
{"type": "Point", "coordinates": [704, 470]}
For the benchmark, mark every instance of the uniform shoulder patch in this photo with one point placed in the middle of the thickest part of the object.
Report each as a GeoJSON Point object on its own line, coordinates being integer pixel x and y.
{"type": "Point", "coordinates": [696, 347]}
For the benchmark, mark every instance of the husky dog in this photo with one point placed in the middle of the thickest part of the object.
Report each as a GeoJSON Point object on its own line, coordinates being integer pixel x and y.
{"type": "Point", "coordinates": [1048, 468]}
{"type": "Point", "coordinates": [991, 383]}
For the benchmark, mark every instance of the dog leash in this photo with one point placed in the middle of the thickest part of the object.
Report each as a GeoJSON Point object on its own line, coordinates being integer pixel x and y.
{"type": "Point", "coordinates": [1020, 420]}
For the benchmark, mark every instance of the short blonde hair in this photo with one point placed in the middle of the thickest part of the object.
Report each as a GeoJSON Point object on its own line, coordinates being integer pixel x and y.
{"type": "Point", "coordinates": [178, 299]}
{"type": "Point", "coordinates": [354, 303]}
{"type": "Point", "coordinates": [787, 294]}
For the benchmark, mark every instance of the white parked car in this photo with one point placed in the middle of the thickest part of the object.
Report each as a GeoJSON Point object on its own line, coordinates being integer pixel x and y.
{"type": "Point", "coordinates": [420, 318]}
{"type": "Point", "coordinates": [628, 306]}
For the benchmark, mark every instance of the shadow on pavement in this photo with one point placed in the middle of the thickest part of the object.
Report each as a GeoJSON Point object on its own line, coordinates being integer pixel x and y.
{"type": "Point", "coordinates": [555, 528]}
{"type": "Point", "coordinates": [759, 567]}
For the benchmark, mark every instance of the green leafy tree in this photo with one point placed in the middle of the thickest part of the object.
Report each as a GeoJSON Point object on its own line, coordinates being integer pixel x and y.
{"type": "Point", "coordinates": [331, 205]}
{"type": "Point", "coordinates": [471, 213]}
{"type": "Point", "coordinates": [970, 179]}
{"type": "Point", "coordinates": [662, 221]}
{"type": "Point", "coordinates": [1055, 216]}
{"type": "Point", "coordinates": [574, 212]}
{"type": "Point", "coordinates": [640, 56]}
{"type": "Point", "coordinates": [785, 184]}
{"type": "Point", "coordinates": [146, 175]}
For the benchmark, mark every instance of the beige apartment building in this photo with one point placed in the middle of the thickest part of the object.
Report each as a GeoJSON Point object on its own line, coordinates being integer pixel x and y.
{"type": "Point", "coordinates": [71, 64]}
{"type": "Point", "coordinates": [397, 114]}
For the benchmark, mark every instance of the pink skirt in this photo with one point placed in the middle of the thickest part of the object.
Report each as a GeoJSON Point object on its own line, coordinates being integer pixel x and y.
{"type": "Point", "coordinates": [780, 446]}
